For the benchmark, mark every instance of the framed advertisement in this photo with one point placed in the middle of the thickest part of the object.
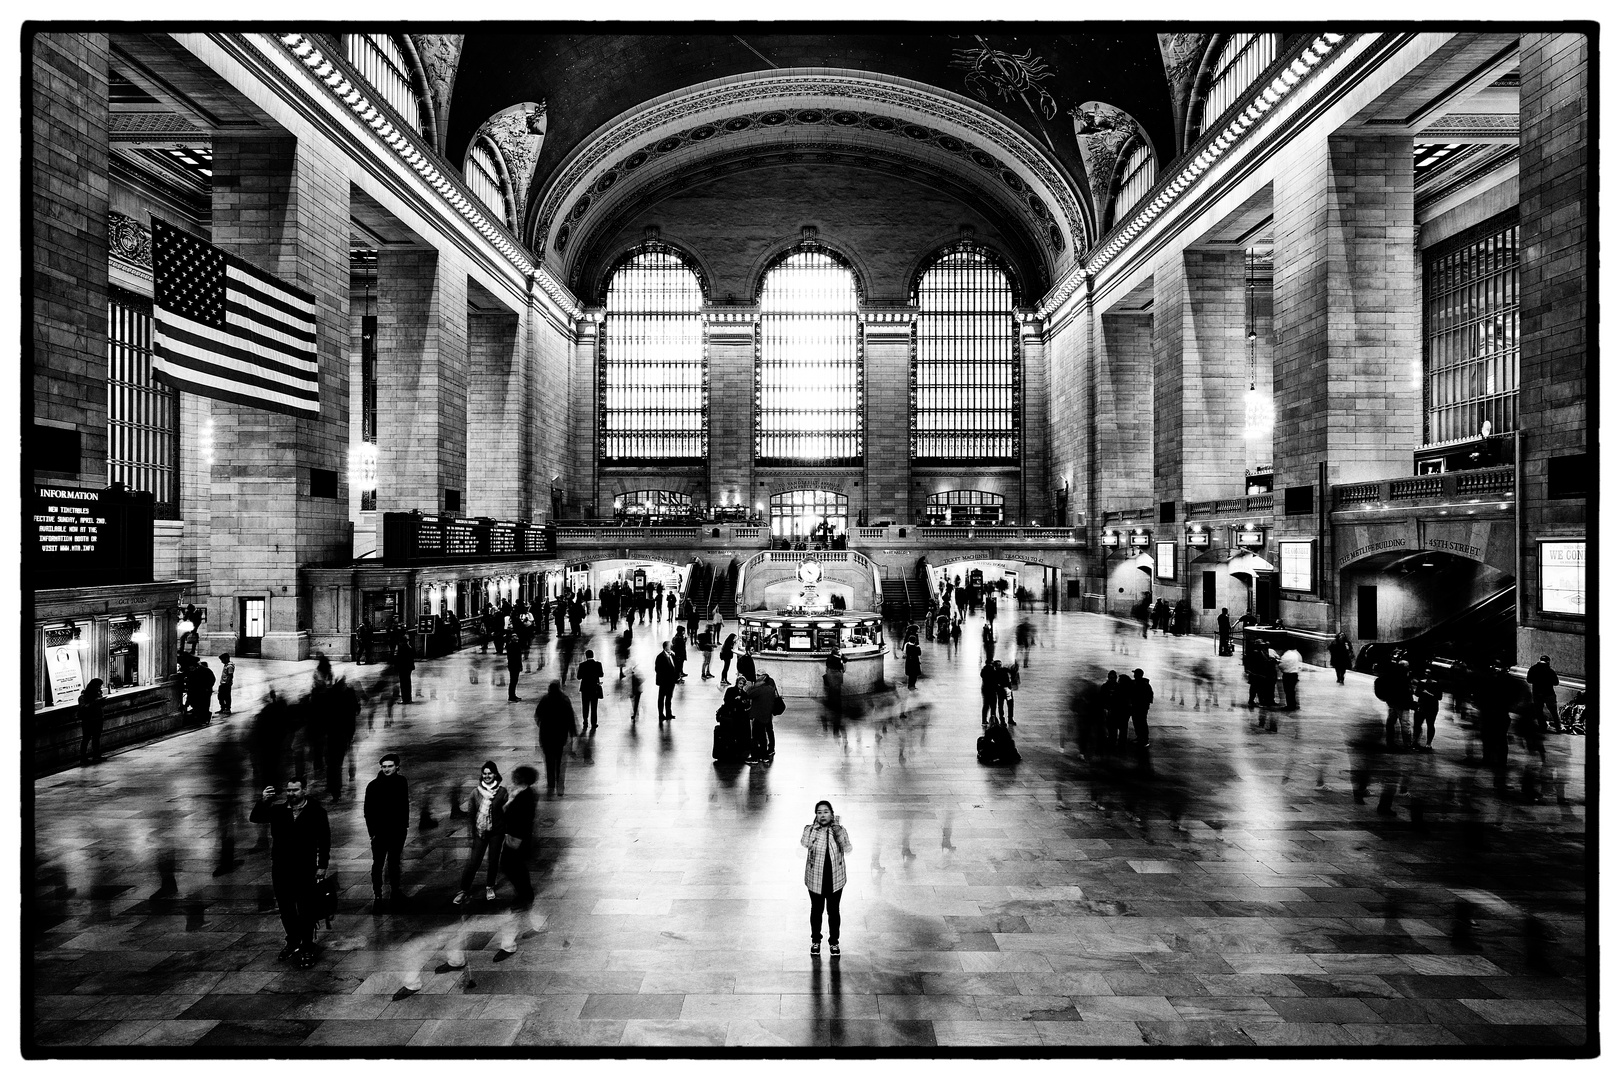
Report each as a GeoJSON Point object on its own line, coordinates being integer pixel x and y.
{"type": "Point", "coordinates": [1562, 566]}
{"type": "Point", "coordinates": [1296, 565]}
{"type": "Point", "coordinates": [1164, 560]}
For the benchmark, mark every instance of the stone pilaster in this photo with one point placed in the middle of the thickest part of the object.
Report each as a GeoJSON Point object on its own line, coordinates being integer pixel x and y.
{"type": "Point", "coordinates": [284, 207]}
{"type": "Point", "coordinates": [1036, 440]}
{"type": "Point", "coordinates": [68, 169]}
{"type": "Point", "coordinates": [421, 381]}
{"type": "Point", "coordinates": [887, 475]}
{"type": "Point", "coordinates": [730, 337]}
{"type": "Point", "coordinates": [1555, 285]}
{"type": "Point", "coordinates": [498, 417]}
{"type": "Point", "coordinates": [1123, 473]}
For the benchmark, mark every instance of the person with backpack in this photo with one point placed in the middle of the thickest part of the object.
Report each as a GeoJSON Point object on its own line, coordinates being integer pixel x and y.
{"type": "Point", "coordinates": [1394, 689]}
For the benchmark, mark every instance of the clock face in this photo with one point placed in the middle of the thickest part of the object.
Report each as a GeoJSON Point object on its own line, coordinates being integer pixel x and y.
{"type": "Point", "coordinates": [809, 571]}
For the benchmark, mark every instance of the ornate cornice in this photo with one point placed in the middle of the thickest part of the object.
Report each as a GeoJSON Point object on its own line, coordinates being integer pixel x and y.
{"type": "Point", "coordinates": [349, 88]}
{"type": "Point", "coordinates": [1174, 185]}
{"type": "Point", "coordinates": [784, 99]}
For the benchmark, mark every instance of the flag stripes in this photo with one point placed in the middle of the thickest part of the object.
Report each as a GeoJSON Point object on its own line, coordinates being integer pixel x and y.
{"type": "Point", "coordinates": [230, 331]}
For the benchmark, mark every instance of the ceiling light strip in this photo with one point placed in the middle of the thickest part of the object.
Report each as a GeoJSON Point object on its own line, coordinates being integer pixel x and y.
{"type": "Point", "coordinates": [306, 51]}
{"type": "Point", "coordinates": [1174, 186]}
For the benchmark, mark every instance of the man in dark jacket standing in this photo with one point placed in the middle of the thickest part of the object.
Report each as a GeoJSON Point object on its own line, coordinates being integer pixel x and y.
{"type": "Point", "coordinates": [388, 816]}
{"type": "Point", "coordinates": [404, 664]}
{"type": "Point", "coordinates": [762, 698]}
{"type": "Point", "coordinates": [514, 666]}
{"type": "Point", "coordinates": [300, 844]}
{"type": "Point", "coordinates": [554, 717]}
{"type": "Point", "coordinates": [1141, 697]}
{"type": "Point", "coordinates": [590, 689]}
{"type": "Point", "coordinates": [666, 674]}
{"type": "Point", "coordinates": [1542, 679]}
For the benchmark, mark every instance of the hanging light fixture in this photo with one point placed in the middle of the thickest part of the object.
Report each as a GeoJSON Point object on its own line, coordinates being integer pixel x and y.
{"type": "Point", "coordinates": [1257, 408]}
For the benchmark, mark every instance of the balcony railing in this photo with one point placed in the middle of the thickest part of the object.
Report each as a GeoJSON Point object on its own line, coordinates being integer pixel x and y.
{"type": "Point", "coordinates": [1495, 483]}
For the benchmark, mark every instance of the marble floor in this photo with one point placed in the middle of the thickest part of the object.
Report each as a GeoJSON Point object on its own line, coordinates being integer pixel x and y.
{"type": "Point", "coordinates": [1227, 889]}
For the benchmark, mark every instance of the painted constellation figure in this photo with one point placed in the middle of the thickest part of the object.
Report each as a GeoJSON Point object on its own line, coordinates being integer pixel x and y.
{"type": "Point", "coordinates": [1010, 76]}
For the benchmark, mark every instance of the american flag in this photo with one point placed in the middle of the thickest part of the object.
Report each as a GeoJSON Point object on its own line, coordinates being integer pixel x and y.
{"type": "Point", "coordinates": [229, 331]}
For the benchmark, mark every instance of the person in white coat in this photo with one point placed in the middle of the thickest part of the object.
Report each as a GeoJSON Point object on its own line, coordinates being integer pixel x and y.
{"type": "Point", "coordinates": [827, 843]}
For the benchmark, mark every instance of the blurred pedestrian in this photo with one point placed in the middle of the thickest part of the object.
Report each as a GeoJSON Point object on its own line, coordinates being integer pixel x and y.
{"type": "Point", "coordinates": [637, 682]}
{"type": "Point", "coordinates": [677, 649]}
{"type": "Point", "coordinates": [590, 689]}
{"type": "Point", "coordinates": [1394, 689]}
{"type": "Point", "coordinates": [514, 665]}
{"type": "Point", "coordinates": [90, 717]}
{"type": "Point", "coordinates": [517, 840]}
{"type": "Point", "coordinates": [913, 664]}
{"type": "Point", "coordinates": [1141, 699]}
{"type": "Point", "coordinates": [1340, 655]}
{"type": "Point", "coordinates": [555, 724]}
{"type": "Point", "coordinates": [1289, 665]}
{"type": "Point", "coordinates": [404, 664]}
{"type": "Point", "coordinates": [199, 689]}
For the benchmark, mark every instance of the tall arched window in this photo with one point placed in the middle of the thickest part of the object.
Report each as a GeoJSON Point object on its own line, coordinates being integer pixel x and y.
{"type": "Point", "coordinates": [1241, 60]}
{"type": "Point", "coordinates": [652, 378]}
{"type": "Point", "coordinates": [800, 513]}
{"type": "Point", "coordinates": [1136, 176]}
{"type": "Point", "coordinates": [964, 398]}
{"type": "Point", "coordinates": [380, 59]}
{"type": "Point", "coordinates": [808, 386]}
{"type": "Point", "coordinates": [483, 175]}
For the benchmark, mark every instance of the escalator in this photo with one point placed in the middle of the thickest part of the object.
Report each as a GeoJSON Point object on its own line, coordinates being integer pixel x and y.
{"type": "Point", "coordinates": [1484, 630]}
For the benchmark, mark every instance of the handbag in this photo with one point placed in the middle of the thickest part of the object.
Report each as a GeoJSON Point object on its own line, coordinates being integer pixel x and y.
{"type": "Point", "coordinates": [326, 893]}
{"type": "Point", "coordinates": [778, 707]}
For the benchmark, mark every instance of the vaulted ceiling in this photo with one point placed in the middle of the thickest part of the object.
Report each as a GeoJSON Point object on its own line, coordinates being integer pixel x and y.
{"type": "Point", "coordinates": [988, 114]}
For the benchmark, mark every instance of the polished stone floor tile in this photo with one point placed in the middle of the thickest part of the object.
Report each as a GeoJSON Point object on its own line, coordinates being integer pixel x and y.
{"type": "Point", "coordinates": [1226, 889]}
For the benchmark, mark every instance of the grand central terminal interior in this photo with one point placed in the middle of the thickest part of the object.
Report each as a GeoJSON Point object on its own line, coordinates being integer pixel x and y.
{"type": "Point", "coordinates": [521, 525]}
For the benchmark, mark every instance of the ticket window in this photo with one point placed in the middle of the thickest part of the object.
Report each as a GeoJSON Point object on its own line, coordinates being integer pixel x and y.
{"type": "Point", "coordinates": [124, 653]}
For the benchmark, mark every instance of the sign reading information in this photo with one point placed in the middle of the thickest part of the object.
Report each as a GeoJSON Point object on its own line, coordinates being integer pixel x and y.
{"type": "Point", "coordinates": [82, 536]}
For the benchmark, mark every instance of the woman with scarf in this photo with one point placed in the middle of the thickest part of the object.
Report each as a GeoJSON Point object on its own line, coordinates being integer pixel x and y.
{"type": "Point", "coordinates": [824, 873]}
{"type": "Point", "coordinates": [488, 811]}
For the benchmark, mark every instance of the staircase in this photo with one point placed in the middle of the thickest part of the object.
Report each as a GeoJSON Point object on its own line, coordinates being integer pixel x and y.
{"type": "Point", "coordinates": [897, 598]}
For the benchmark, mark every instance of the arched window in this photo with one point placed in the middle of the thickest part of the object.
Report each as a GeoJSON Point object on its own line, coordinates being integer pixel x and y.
{"type": "Point", "coordinates": [1136, 176]}
{"type": "Point", "coordinates": [964, 508]}
{"type": "Point", "coordinates": [652, 505]}
{"type": "Point", "coordinates": [652, 378]}
{"type": "Point", "coordinates": [800, 513]}
{"type": "Point", "coordinates": [483, 175]}
{"type": "Point", "coordinates": [808, 381]}
{"type": "Point", "coordinates": [965, 385]}
{"type": "Point", "coordinates": [1241, 60]}
{"type": "Point", "coordinates": [381, 60]}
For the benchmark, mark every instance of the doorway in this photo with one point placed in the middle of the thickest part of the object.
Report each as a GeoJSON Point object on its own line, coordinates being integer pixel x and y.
{"type": "Point", "coordinates": [1367, 612]}
{"type": "Point", "coordinates": [253, 613]}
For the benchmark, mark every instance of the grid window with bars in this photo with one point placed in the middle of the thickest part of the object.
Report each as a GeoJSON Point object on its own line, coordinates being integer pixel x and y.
{"type": "Point", "coordinates": [808, 386]}
{"type": "Point", "coordinates": [1136, 179]}
{"type": "Point", "coordinates": [965, 386]}
{"type": "Point", "coordinates": [964, 508]}
{"type": "Point", "coordinates": [1471, 336]}
{"type": "Point", "coordinates": [798, 514]}
{"type": "Point", "coordinates": [484, 179]}
{"type": "Point", "coordinates": [653, 376]}
{"type": "Point", "coordinates": [143, 415]}
{"type": "Point", "coordinates": [379, 58]}
{"type": "Point", "coordinates": [1241, 60]}
{"type": "Point", "coordinates": [652, 505]}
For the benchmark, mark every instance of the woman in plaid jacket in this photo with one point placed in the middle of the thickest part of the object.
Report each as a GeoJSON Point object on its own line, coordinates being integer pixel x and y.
{"type": "Point", "coordinates": [824, 873]}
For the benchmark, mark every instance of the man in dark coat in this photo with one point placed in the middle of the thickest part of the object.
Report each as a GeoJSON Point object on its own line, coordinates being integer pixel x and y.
{"type": "Point", "coordinates": [199, 689]}
{"type": "Point", "coordinates": [554, 717]}
{"type": "Point", "coordinates": [762, 697]}
{"type": "Point", "coordinates": [1223, 629]}
{"type": "Point", "coordinates": [388, 816]}
{"type": "Point", "coordinates": [677, 649]}
{"type": "Point", "coordinates": [404, 664]}
{"type": "Point", "coordinates": [1542, 679]}
{"type": "Point", "coordinates": [514, 666]}
{"type": "Point", "coordinates": [300, 844]}
{"type": "Point", "coordinates": [1141, 697]}
{"type": "Point", "coordinates": [666, 675]}
{"type": "Point", "coordinates": [590, 689]}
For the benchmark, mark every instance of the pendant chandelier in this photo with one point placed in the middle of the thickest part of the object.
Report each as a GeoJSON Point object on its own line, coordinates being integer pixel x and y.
{"type": "Point", "coordinates": [1258, 414]}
